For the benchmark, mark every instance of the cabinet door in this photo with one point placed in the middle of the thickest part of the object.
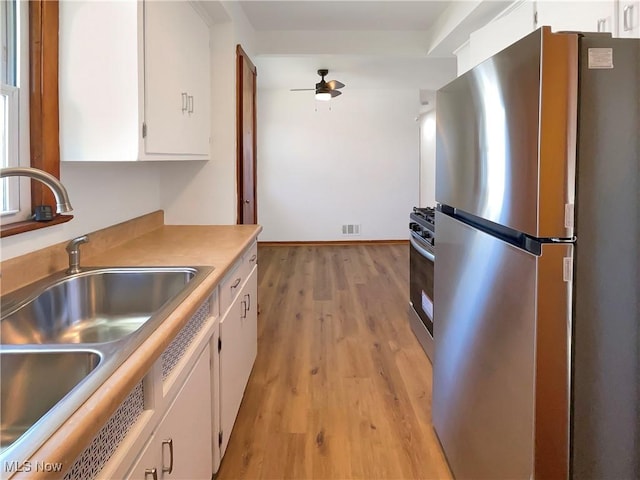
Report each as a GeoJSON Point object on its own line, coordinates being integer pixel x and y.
{"type": "Point", "coordinates": [238, 332]}
{"type": "Point", "coordinates": [249, 319]}
{"type": "Point", "coordinates": [585, 16]}
{"type": "Point", "coordinates": [215, 397]}
{"type": "Point", "coordinates": [629, 18]}
{"type": "Point", "coordinates": [176, 79]}
{"type": "Point", "coordinates": [198, 85]}
{"type": "Point", "coordinates": [99, 81]}
{"type": "Point", "coordinates": [188, 426]}
{"type": "Point", "coordinates": [232, 380]}
{"type": "Point", "coordinates": [182, 442]}
{"type": "Point", "coordinates": [148, 465]}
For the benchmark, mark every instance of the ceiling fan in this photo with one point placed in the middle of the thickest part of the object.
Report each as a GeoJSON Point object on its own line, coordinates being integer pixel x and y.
{"type": "Point", "coordinates": [324, 90]}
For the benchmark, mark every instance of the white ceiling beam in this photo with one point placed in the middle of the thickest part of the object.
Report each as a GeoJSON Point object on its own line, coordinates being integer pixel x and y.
{"type": "Point", "coordinates": [399, 43]}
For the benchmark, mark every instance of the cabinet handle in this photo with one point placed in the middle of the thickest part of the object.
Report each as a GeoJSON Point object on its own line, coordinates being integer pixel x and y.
{"type": "Point", "coordinates": [602, 25]}
{"type": "Point", "coordinates": [190, 104]}
{"type": "Point", "coordinates": [244, 309]}
{"type": "Point", "coordinates": [185, 101]}
{"type": "Point", "coordinates": [236, 283]}
{"type": "Point", "coordinates": [253, 258]}
{"type": "Point", "coordinates": [627, 23]}
{"type": "Point", "coordinates": [151, 471]}
{"type": "Point", "coordinates": [248, 302]}
{"type": "Point", "coordinates": [170, 443]}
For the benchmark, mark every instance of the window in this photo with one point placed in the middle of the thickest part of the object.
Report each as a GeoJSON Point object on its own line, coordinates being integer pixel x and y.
{"type": "Point", "coordinates": [36, 39]}
{"type": "Point", "coordinates": [14, 198]}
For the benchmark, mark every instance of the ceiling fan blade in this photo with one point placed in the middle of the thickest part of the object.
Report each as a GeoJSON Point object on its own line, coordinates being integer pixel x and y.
{"type": "Point", "coordinates": [300, 89]}
{"type": "Point", "coordinates": [335, 93]}
{"type": "Point", "coordinates": [334, 84]}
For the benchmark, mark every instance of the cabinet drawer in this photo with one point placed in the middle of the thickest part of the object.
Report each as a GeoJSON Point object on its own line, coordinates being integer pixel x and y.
{"type": "Point", "coordinates": [249, 260]}
{"type": "Point", "coordinates": [233, 282]}
{"type": "Point", "coordinates": [230, 287]}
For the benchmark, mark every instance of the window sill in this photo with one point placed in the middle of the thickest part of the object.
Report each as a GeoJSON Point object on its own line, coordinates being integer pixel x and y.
{"type": "Point", "coordinates": [29, 225]}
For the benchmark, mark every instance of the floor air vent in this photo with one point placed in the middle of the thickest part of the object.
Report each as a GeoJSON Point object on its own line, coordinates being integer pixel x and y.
{"type": "Point", "coordinates": [351, 229]}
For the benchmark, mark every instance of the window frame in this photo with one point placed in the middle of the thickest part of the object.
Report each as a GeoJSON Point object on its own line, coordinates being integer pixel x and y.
{"type": "Point", "coordinates": [43, 109]}
{"type": "Point", "coordinates": [10, 125]}
{"type": "Point", "coordinates": [17, 190]}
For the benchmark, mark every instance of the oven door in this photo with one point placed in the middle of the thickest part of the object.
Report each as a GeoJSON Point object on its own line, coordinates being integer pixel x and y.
{"type": "Point", "coordinates": [421, 267]}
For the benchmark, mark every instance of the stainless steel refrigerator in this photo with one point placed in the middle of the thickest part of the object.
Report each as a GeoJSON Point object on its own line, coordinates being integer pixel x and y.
{"type": "Point", "coordinates": [537, 312]}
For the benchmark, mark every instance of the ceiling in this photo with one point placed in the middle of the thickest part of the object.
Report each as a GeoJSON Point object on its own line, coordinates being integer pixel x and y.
{"type": "Point", "coordinates": [363, 43]}
{"type": "Point", "coordinates": [332, 15]}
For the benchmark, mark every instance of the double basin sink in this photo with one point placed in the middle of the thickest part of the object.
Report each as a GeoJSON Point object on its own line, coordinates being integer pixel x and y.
{"type": "Point", "coordinates": [62, 337]}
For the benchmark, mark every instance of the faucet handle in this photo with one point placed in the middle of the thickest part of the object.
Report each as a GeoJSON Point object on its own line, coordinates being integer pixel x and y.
{"type": "Point", "coordinates": [73, 244]}
{"type": "Point", "coordinates": [73, 249]}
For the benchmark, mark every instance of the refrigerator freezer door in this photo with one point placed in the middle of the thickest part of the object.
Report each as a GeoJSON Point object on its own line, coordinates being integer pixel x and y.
{"type": "Point", "coordinates": [501, 355]}
{"type": "Point", "coordinates": [506, 134]}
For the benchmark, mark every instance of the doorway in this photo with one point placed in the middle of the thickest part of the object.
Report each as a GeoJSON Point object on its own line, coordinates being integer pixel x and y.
{"type": "Point", "coordinates": [246, 74]}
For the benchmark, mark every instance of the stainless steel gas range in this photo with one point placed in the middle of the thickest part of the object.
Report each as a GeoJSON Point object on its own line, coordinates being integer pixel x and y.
{"type": "Point", "coordinates": [421, 267]}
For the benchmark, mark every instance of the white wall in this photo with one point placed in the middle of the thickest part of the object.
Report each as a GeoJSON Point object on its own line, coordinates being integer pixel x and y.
{"type": "Point", "coordinates": [427, 123]}
{"type": "Point", "coordinates": [357, 163]}
{"type": "Point", "coordinates": [102, 194]}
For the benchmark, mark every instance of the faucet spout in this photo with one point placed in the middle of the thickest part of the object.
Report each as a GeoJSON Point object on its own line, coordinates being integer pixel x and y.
{"type": "Point", "coordinates": [63, 204]}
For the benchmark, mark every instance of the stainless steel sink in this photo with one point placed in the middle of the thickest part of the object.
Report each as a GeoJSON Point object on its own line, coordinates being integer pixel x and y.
{"type": "Point", "coordinates": [62, 337]}
{"type": "Point", "coordinates": [91, 307]}
{"type": "Point", "coordinates": [33, 382]}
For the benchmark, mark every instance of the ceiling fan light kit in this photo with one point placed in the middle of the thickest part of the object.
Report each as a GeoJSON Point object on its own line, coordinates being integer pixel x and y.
{"type": "Point", "coordinates": [325, 91]}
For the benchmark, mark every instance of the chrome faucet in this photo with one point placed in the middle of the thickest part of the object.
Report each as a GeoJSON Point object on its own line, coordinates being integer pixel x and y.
{"type": "Point", "coordinates": [73, 249]}
{"type": "Point", "coordinates": [62, 197]}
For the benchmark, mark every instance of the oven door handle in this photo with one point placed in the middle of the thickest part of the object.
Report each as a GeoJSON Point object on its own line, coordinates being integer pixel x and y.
{"type": "Point", "coordinates": [421, 250]}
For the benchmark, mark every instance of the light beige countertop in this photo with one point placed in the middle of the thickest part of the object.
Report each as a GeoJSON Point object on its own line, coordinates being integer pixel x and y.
{"type": "Point", "coordinates": [217, 246]}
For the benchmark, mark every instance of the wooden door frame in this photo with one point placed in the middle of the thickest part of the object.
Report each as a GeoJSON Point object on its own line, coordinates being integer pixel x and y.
{"type": "Point", "coordinates": [241, 55]}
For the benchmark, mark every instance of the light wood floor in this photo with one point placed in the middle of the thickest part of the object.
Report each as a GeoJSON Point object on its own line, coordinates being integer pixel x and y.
{"type": "Point", "coordinates": [340, 388]}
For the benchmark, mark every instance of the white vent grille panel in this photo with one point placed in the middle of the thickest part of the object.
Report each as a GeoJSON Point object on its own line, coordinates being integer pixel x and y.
{"type": "Point", "coordinates": [351, 229]}
{"type": "Point", "coordinates": [176, 349]}
{"type": "Point", "coordinates": [88, 465]}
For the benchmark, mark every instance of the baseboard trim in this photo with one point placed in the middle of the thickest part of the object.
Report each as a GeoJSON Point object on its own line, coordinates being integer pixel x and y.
{"type": "Point", "coordinates": [333, 243]}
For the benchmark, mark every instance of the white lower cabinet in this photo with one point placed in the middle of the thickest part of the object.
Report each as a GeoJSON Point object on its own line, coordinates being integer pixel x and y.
{"type": "Point", "coordinates": [180, 448]}
{"type": "Point", "coordinates": [191, 403]}
{"type": "Point", "coordinates": [238, 347]}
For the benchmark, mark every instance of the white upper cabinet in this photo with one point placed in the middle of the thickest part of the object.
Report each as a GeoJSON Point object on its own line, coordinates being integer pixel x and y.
{"type": "Point", "coordinates": [629, 18]}
{"type": "Point", "coordinates": [513, 24]}
{"type": "Point", "coordinates": [621, 18]}
{"type": "Point", "coordinates": [584, 16]}
{"type": "Point", "coordinates": [134, 81]}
